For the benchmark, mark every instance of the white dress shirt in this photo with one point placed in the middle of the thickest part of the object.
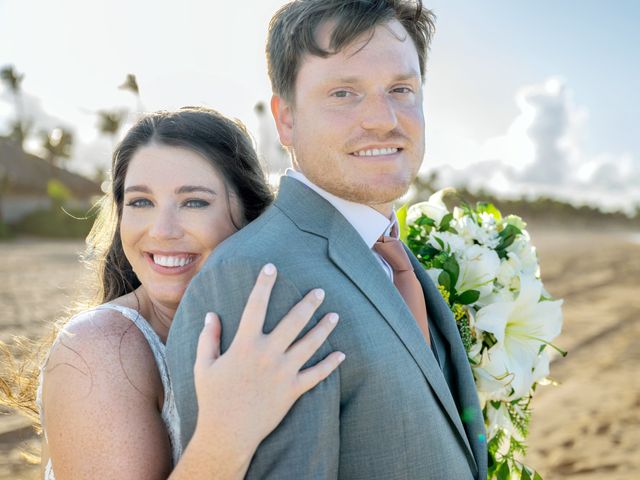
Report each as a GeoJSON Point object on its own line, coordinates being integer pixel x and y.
{"type": "Point", "coordinates": [369, 223]}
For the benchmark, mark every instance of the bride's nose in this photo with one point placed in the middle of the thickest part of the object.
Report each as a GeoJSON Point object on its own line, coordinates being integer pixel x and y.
{"type": "Point", "coordinates": [166, 224]}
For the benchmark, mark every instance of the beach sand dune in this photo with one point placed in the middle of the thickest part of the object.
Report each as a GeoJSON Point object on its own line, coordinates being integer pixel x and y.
{"type": "Point", "coordinates": [587, 427]}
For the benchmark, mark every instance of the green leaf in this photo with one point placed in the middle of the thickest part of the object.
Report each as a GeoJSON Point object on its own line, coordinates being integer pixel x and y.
{"type": "Point", "coordinates": [507, 236]}
{"type": "Point", "coordinates": [444, 223]}
{"type": "Point", "coordinates": [525, 474]}
{"type": "Point", "coordinates": [401, 214]}
{"type": "Point", "coordinates": [424, 220]}
{"type": "Point", "coordinates": [537, 476]}
{"type": "Point", "coordinates": [451, 266]}
{"type": "Point", "coordinates": [468, 297]}
{"type": "Point", "coordinates": [440, 242]}
{"type": "Point", "coordinates": [445, 280]}
{"type": "Point", "coordinates": [486, 207]}
{"type": "Point", "coordinates": [504, 472]}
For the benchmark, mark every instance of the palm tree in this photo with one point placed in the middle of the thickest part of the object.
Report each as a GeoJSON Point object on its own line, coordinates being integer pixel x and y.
{"type": "Point", "coordinates": [13, 80]}
{"type": "Point", "coordinates": [109, 123]}
{"type": "Point", "coordinates": [131, 84]}
{"type": "Point", "coordinates": [57, 143]}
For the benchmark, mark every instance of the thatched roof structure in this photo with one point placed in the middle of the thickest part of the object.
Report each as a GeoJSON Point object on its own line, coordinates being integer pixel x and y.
{"type": "Point", "coordinates": [29, 174]}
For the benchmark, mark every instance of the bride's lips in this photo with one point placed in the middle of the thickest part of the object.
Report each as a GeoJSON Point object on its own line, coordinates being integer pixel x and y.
{"type": "Point", "coordinates": [172, 262]}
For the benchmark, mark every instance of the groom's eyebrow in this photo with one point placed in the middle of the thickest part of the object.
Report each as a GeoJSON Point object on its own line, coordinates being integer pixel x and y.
{"type": "Point", "coordinates": [400, 77]}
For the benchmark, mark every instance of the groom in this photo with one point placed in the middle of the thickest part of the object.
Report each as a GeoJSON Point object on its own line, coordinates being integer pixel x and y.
{"type": "Point", "coordinates": [347, 79]}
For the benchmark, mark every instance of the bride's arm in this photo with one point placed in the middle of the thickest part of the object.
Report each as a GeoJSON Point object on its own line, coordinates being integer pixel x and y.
{"type": "Point", "coordinates": [101, 394]}
{"type": "Point", "coordinates": [101, 397]}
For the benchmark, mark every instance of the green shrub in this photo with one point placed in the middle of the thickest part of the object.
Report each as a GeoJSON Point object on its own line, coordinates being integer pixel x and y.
{"type": "Point", "coordinates": [55, 223]}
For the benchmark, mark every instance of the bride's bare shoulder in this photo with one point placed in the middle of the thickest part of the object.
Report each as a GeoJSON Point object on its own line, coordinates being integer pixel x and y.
{"type": "Point", "coordinates": [102, 349]}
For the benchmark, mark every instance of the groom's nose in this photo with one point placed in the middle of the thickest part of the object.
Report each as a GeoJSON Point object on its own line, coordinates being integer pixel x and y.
{"type": "Point", "coordinates": [378, 113]}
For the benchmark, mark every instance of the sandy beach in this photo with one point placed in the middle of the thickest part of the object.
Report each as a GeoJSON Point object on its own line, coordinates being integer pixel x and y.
{"type": "Point", "coordinates": [587, 427]}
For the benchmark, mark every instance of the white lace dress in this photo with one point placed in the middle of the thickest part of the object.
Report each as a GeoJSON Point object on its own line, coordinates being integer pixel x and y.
{"type": "Point", "coordinates": [169, 412]}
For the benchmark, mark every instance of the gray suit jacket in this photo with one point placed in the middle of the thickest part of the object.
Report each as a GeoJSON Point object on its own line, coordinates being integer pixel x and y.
{"type": "Point", "coordinates": [395, 409]}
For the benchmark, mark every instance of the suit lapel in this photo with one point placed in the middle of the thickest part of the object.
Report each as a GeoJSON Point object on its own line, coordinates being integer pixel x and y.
{"type": "Point", "coordinates": [439, 312]}
{"type": "Point", "coordinates": [351, 255]}
{"type": "Point", "coordinates": [311, 213]}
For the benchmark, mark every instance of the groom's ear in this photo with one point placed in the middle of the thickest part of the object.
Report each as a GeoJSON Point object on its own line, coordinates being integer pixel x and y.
{"type": "Point", "coordinates": [283, 115]}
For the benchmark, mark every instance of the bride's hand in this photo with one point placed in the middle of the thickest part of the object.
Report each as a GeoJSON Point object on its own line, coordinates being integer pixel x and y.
{"type": "Point", "coordinates": [244, 393]}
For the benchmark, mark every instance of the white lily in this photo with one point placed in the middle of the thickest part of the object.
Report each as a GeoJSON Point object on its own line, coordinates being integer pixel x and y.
{"type": "Point", "coordinates": [478, 269]}
{"type": "Point", "coordinates": [521, 327]}
{"type": "Point", "coordinates": [493, 382]}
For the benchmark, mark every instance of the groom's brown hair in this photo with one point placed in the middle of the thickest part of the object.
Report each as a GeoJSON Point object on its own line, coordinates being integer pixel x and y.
{"type": "Point", "coordinates": [292, 32]}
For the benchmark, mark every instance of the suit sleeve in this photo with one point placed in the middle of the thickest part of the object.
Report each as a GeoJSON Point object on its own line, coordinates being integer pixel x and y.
{"type": "Point", "coordinates": [306, 443]}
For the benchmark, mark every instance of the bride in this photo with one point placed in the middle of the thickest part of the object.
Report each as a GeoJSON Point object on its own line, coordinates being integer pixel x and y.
{"type": "Point", "coordinates": [182, 183]}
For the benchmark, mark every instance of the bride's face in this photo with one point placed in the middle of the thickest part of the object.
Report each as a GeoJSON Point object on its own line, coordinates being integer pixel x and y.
{"type": "Point", "coordinates": [175, 213]}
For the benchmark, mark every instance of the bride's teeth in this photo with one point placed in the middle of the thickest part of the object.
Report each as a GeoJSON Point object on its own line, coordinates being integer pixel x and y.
{"type": "Point", "coordinates": [165, 261]}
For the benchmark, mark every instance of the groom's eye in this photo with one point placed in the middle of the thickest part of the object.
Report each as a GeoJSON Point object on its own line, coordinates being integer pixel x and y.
{"type": "Point", "coordinates": [341, 94]}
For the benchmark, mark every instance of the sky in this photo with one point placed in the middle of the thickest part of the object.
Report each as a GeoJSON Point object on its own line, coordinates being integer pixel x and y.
{"type": "Point", "coordinates": [520, 97]}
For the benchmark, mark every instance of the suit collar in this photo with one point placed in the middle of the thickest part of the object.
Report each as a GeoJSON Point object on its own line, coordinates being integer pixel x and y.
{"type": "Point", "coordinates": [368, 222]}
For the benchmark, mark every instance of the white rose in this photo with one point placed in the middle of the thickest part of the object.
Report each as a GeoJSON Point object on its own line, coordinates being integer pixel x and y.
{"type": "Point", "coordinates": [453, 241]}
{"type": "Point", "coordinates": [526, 254]}
{"type": "Point", "coordinates": [469, 229]}
{"type": "Point", "coordinates": [433, 208]}
{"type": "Point", "coordinates": [509, 271]}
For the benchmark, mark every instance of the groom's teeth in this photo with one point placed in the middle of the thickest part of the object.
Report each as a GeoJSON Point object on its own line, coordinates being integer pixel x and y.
{"type": "Point", "coordinates": [374, 152]}
{"type": "Point", "coordinates": [167, 261]}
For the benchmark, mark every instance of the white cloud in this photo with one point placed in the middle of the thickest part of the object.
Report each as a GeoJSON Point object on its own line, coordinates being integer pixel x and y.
{"type": "Point", "coordinates": [541, 153]}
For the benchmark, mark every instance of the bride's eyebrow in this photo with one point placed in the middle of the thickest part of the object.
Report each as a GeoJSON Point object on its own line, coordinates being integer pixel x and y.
{"type": "Point", "coordinates": [195, 188]}
{"type": "Point", "coordinates": [137, 188]}
{"type": "Point", "coordinates": [180, 190]}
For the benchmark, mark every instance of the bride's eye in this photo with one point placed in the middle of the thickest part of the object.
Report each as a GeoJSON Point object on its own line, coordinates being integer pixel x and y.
{"type": "Point", "coordinates": [196, 203]}
{"type": "Point", "coordinates": [140, 203]}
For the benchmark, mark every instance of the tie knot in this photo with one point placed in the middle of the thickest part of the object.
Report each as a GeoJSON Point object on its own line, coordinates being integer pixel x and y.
{"type": "Point", "coordinates": [393, 253]}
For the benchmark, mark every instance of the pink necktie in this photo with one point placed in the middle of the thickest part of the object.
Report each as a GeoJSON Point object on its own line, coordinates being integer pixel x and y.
{"type": "Point", "coordinates": [405, 280]}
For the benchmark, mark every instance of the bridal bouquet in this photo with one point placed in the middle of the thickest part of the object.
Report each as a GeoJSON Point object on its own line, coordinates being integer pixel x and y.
{"type": "Point", "coordinates": [487, 271]}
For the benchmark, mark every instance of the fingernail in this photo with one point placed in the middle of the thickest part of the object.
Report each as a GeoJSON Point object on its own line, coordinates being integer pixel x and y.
{"type": "Point", "coordinates": [319, 293]}
{"type": "Point", "coordinates": [341, 356]}
{"type": "Point", "coordinates": [208, 318]}
{"type": "Point", "coordinates": [269, 269]}
{"type": "Point", "coordinates": [333, 318]}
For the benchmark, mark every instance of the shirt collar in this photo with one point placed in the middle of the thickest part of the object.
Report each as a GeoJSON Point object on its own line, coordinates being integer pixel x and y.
{"type": "Point", "coordinates": [369, 223]}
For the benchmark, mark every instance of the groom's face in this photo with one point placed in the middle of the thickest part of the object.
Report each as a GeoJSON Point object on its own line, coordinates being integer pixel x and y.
{"type": "Point", "coordinates": [356, 123]}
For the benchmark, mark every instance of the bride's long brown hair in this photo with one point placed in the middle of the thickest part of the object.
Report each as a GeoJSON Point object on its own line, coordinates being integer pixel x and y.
{"type": "Point", "coordinates": [223, 142]}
